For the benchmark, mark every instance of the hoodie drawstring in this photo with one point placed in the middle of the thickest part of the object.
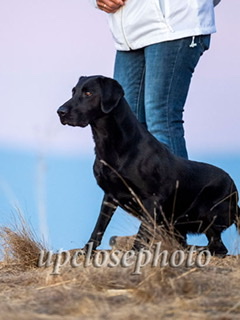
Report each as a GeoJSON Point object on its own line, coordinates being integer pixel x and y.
{"type": "Point", "coordinates": [193, 43]}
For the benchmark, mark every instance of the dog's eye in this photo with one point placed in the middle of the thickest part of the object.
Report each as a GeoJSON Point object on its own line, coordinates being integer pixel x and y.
{"type": "Point", "coordinates": [87, 93]}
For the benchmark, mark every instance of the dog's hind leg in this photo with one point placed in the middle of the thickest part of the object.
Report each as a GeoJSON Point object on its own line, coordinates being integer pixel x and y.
{"type": "Point", "coordinates": [223, 215]}
{"type": "Point", "coordinates": [215, 244]}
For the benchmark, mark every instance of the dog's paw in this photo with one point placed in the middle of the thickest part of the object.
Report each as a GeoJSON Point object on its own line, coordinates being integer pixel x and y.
{"type": "Point", "coordinates": [218, 250]}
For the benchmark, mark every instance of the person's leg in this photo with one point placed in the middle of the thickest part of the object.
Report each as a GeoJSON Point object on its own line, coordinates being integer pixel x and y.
{"type": "Point", "coordinates": [129, 71]}
{"type": "Point", "coordinates": [169, 68]}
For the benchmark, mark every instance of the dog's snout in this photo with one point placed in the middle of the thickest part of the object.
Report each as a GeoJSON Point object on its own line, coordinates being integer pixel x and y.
{"type": "Point", "coordinates": [62, 111]}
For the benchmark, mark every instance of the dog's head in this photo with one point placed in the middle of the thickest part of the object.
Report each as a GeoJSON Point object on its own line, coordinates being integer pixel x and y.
{"type": "Point", "coordinates": [92, 98]}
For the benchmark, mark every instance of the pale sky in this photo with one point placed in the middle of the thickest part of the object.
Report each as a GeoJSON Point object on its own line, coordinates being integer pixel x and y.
{"type": "Point", "coordinates": [47, 45]}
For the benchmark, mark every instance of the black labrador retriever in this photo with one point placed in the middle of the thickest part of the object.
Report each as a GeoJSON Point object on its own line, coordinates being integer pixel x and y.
{"type": "Point", "coordinates": [140, 174]}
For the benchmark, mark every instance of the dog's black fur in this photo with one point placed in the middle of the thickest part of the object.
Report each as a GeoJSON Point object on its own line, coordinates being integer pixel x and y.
{"type": "Point", "coordinates": [194, 197]}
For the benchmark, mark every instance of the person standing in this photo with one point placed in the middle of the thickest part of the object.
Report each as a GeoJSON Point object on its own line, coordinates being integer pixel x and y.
{"type": "Point", "coordinates": [159, 44]}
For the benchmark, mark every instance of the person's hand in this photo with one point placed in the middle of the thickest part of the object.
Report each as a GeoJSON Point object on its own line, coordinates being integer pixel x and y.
{"type": "Point", "coordinates": [110, 6]}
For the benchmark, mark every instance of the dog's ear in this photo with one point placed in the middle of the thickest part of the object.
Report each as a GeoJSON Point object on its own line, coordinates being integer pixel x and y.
{"type": "Point", "coordinates": [111, 93]}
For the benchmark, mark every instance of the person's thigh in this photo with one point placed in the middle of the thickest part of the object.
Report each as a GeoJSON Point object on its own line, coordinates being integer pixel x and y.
{"type": "Point", "coordinates": [129, 71]}
{"type": "Point", "coordinates": [169, 69]}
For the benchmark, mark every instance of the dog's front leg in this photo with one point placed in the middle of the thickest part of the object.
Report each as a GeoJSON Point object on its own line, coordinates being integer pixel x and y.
{"type": "Point", "coordinates": [148, 224]}
{"type": "Point", "coordinates": [108, 208]}
{"type": "Point", "coordinates": [143, 237]}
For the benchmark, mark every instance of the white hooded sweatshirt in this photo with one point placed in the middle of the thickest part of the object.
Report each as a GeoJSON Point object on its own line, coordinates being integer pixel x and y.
{"type": "Point", "coordinates": [140, 23]}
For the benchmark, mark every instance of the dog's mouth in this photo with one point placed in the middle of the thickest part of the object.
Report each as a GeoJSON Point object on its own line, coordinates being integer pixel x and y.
{"type": "Point", "coordinates": [63, 121]}
{"type": "Point", "coordinates": [73, 123]}
{"type": "Point", "coordinates": [82, 124]}
{"type": "Point", "coordinates": [74, 120]}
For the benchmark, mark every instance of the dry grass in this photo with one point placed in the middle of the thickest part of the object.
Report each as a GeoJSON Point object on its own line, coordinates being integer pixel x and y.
{"type": "Point", "coordinates": [28, 292]}
{"type": "Point", "coordinates": [19, 247]}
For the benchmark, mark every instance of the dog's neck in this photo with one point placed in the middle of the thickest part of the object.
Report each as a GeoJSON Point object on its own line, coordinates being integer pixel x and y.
{"type": "Point", "coordinates": [109, 132]}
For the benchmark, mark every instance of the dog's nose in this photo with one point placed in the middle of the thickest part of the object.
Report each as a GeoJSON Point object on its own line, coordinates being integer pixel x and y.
{"type": "Point", "coordinates": [62, 111]}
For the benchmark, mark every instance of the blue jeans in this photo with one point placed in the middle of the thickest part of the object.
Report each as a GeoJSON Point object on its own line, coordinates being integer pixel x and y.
{"type": "Point", "coordinates": [156, 81]}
